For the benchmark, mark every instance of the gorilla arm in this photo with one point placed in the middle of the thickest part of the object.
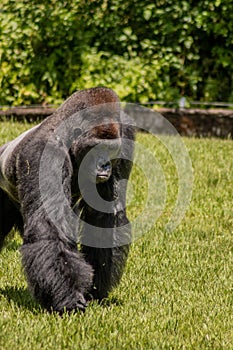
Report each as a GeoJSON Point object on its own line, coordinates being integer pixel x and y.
{"type": "Point", "coordinates": [106, 238]}
{"type": "Point", "coordinates": [105, 235]}
{"type": "Point", "coordinates": [57, 273]}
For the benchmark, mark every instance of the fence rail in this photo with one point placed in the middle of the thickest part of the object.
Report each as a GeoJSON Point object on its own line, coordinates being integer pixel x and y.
{"type": "Point", "coordinates": [187, 121]}
{"type": "Point", "coordinates": [181, 103]}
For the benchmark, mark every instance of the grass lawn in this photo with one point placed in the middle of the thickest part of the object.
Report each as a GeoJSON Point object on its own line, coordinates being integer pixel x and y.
{"type": "Point", "coordinates": [177, 289]}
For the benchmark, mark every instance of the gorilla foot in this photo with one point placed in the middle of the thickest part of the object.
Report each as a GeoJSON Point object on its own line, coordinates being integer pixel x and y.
{"type": "Point", "coordinates": [79, 304]}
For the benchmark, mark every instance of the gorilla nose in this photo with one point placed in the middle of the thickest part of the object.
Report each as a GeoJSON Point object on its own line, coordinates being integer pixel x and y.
{"type": "Point", "coordinates": [103, 164]}
{"type": "Point", "coordinates": [106, 166]}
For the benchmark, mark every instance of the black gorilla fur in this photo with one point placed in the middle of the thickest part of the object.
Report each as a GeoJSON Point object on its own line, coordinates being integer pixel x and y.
{"type": "Point", "coordinates": [60, 276]}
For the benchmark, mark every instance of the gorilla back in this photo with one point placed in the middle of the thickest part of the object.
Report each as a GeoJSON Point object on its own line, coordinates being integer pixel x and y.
{"type": "Point", "coordinates": [62, 179]}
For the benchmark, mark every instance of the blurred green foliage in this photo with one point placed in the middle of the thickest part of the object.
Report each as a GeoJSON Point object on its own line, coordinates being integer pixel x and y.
{"type": "Point", "coordinates": [145, 50]}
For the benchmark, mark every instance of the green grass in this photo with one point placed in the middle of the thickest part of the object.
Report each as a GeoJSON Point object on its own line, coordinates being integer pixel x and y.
{"type": "Point", "coordinates": [177, 289]}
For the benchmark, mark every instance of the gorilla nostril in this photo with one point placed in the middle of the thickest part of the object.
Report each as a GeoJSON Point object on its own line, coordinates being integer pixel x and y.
{"type": "Point", "coordinates": [106, 166]}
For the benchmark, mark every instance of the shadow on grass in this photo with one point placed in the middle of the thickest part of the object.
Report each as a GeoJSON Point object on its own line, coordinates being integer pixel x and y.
{"type": "Point", "coordinates": [111, 301]}
{"type": "Point", "coordinates": [21, 297]}
{"type": "Point", "coordinates": [13, 241]}
{"type": "Point", "coordinates": [12, 246]}
{"type": "Point", "coordinates": [106, 303]}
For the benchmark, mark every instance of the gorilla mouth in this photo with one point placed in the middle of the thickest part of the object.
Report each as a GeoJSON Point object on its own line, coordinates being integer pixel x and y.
{"type": "Point", "coordinates": [102, 177]}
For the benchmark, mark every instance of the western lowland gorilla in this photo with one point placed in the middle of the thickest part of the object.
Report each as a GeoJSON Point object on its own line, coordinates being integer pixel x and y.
{"type": "Point", "coordinates": [63, 179]}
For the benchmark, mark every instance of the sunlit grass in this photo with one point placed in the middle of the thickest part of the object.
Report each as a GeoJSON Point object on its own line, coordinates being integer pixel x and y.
{"type": "Point", "coordinates": [177, 289]}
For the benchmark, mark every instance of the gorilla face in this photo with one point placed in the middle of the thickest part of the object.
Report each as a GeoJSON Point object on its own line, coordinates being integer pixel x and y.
{"type": "Point", "coordinates": [103, 169]}
{"type": "Point", "coordinates": [106, 159]}
{"type": "Point", "coordinates": [98, 151]}
{"type": "Point", "coordinates": [99, 161]}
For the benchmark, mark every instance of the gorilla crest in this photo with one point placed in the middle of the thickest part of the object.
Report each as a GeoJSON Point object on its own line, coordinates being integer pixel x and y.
{"type": "Point", "coordinates": [66, 178]}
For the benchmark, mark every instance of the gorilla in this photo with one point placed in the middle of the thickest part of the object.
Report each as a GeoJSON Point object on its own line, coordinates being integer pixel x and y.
{"type": "Point", "coordinates": [63, 185]}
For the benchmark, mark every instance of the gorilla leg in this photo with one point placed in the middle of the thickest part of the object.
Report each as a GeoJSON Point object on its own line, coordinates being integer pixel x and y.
{"type": "Point", "coordinates": [9, 216]}
{"type": "Point", "coordinates": [108, 264]}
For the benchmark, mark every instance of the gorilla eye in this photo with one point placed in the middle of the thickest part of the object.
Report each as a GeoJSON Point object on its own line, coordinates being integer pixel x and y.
{"type": "Point", "coordinates": [77, 132]}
